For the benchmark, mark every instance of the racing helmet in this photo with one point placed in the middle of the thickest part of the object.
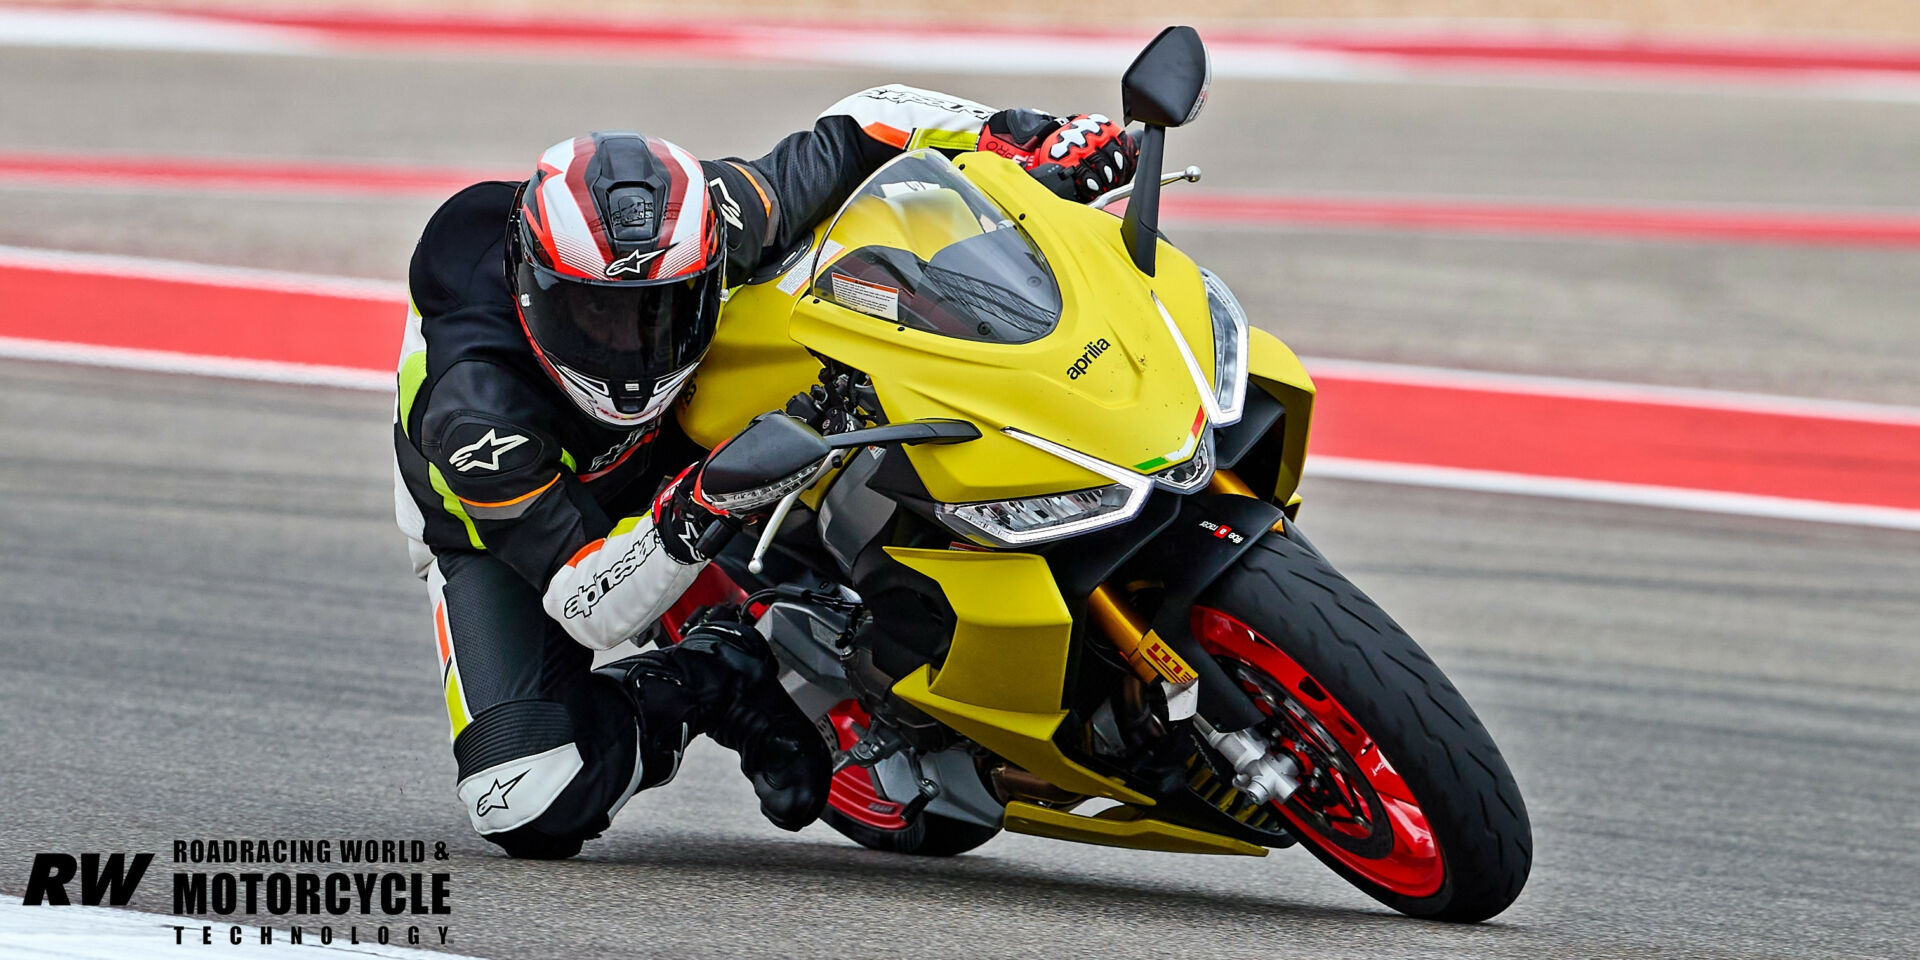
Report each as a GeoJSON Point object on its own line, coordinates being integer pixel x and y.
{"type": "Point", "coordinates": [615, 258]}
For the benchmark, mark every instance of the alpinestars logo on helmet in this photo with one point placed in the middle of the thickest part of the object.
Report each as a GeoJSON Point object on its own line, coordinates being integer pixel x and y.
{"type": "Point", "coordinates": [635, 262]}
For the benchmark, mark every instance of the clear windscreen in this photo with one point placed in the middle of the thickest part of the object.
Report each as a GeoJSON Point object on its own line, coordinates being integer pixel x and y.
{"type": "Point", "coordinates": [920, 246]}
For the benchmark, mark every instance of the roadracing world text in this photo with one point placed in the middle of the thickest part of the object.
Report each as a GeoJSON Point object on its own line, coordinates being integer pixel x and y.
{"type": "Point", "coordinates": [363, 883]}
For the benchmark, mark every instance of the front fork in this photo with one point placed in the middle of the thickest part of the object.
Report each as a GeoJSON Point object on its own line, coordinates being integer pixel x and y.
{"type": "Point", "coordinates": [1258, 772]}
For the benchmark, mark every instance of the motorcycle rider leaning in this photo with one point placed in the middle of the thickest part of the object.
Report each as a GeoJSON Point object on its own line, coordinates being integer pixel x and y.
{"type": "Point", "coordinates": [552, 324]}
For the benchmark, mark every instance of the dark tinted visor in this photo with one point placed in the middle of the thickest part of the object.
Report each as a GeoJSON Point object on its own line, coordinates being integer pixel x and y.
{"type": "Point", "coordinates": [619, 332]}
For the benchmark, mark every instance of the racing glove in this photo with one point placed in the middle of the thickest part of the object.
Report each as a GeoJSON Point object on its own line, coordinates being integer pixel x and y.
{"type": "Point", "coordinates": [735, 485]}
{"type": "Point", "coordinates": [1078, 157]}
{"type": "Point", "coordinates": [690, 528]}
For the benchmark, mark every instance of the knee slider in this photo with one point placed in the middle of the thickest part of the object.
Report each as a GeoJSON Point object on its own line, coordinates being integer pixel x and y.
{"type": "Point", "coordinates": [515, 759]}
{"type": "Point", "coordinates": [526, 843]}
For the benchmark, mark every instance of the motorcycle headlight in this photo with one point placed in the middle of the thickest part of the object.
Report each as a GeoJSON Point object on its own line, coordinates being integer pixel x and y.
{"type": "Point", "coordinates": [1028, 520]}
{"type": "Point", "coordinates": [1036, 519]}
{"type": "Point", "coordinates": [1229, 349]}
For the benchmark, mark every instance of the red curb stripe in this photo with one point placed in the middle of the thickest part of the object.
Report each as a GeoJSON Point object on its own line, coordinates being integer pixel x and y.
{"type": "Point", "coordinates": [1813, 458]}
{"type": "Point", "coordinates": [1502, 428]}
{"type": "Point", "coordinates": [1189, 205]}
{"type": "Point", "coordinates": [766, 39]}
{"type": "Point", "coordinates": [213, 174]}
{"type": "Point", "coordinates": [200, 318]}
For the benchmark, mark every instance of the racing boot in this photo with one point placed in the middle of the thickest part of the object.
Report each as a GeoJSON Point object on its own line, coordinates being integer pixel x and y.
{"type": "Point", "coordinates": [721, 680]}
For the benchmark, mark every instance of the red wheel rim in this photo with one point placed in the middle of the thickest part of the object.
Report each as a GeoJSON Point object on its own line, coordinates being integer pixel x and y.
{"type": "Point", "coordinates": [1334, 811]}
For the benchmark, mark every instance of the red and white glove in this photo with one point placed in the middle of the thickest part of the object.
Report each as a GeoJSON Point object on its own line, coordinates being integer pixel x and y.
{"type": "Point", "coordinates": [685, 518]}
{"type": "Point", "coordinates": [1078, 157]}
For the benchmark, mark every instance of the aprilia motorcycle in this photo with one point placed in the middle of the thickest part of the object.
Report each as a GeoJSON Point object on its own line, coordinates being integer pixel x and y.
{"type": "Point", "coordinates": [1034, 566]}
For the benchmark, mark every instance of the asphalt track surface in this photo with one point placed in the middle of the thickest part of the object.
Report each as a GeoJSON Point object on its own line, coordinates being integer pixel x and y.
{"type": "Point", "coordinates": [210, 631]}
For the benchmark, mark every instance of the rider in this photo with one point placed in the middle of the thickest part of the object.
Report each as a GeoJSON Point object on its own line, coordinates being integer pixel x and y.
{"type": "Point", "coordinates": [552, 324]}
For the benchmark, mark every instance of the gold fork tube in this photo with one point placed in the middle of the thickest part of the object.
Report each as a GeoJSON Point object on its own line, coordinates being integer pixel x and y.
{"type": "Point", "coordinates": [1123, 626]}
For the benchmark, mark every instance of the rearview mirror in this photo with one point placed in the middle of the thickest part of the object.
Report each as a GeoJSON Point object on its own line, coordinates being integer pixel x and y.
{"type": "Point", "coordinates": [1167, 84]}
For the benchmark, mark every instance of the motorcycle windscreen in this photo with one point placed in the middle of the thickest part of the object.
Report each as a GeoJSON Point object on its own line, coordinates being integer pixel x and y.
{"type": "Point", "coordinates": [928, 250]}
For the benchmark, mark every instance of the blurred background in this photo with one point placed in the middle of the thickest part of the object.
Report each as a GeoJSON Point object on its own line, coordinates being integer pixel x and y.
{"type": "Point", "coordinates": [1614, 306]}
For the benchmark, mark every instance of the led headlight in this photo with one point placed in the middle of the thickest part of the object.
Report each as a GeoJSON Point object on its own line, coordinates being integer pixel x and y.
{"type": "Point", "coordinates": [1034, 519]}
{"type": "Point", "coordinates": [1027, 520]}
{"type": "Point", "coordinates": [1229, 349]}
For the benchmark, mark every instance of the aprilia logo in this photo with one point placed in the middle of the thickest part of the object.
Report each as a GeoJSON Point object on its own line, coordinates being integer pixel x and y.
{"type": "Point", "coordinates": [1094, 349]}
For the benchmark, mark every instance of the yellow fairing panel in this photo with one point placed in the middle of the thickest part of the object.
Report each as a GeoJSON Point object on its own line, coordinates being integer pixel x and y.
{"type": "Point", "coordinates": [1006, 669]}
{"type": "Point", "coordinates": [1122, 827]}
{"type": "Point", "coordinates": [1273, 368]}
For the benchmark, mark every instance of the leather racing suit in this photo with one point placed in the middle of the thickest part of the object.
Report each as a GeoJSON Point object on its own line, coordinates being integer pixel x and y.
{"type": "Point", "coordinates": [530, 520]}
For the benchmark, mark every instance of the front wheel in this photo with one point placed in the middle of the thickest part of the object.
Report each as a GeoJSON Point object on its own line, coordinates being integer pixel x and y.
{"type": "Point", "coordinates": [1402, 791]}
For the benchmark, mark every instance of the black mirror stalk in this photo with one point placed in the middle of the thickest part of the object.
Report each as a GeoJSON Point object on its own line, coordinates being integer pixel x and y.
{"type": "Point", "coordinates": [1141, 227]}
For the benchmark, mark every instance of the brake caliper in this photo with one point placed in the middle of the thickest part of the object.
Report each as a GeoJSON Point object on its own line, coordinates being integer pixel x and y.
{"type": "Point", "coordinates": [1258, 773]}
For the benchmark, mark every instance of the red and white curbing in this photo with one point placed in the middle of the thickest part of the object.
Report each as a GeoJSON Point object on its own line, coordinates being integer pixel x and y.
{"type": "Point", "coordinates": [1465, 52]}
{"type": "Point", "coordinates": [1199, 207]}
{"type": "Point", "coordinates": [1735, 453]}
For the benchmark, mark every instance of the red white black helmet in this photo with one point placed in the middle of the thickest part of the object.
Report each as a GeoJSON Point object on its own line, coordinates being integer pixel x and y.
{"type": "Point", "coordinates": [614, 257]}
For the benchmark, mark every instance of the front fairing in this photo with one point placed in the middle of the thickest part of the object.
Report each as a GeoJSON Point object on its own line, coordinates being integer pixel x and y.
{"type": "Point", "coordinates": [1108, 379]}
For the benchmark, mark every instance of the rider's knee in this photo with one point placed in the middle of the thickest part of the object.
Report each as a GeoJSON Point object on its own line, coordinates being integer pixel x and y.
{"type": "Point", "coordinates": [518, 762]}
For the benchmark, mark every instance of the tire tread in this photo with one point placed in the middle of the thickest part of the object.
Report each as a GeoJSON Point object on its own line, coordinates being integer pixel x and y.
{"type": "Point", "coordinates": [1407, 704]}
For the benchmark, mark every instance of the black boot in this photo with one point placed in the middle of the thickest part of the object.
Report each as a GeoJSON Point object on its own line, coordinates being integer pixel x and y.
{"type": "Point", "coordinates": [722, 681]}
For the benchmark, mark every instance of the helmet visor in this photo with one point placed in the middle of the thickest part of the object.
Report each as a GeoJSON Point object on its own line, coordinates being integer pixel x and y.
{"type": "Point", "coordinates": [623, 333]}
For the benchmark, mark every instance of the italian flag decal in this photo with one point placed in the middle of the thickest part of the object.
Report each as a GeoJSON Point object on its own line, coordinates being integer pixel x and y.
{"type": "Point", "coordinates": [1186, 449]}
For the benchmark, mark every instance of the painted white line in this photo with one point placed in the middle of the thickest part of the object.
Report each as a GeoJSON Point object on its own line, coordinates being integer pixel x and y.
{"type": "Point", "coordinates": [1611, 390]}
{"type": "Point", "coordinates": [1600, 491]}
{"type": "Point", "coordinates": [161, 361]}
{"type": "Point", "coordinates": [104, 933]}
{"type": "Point", "coordinates": [966, 52]}
{"type": "Point", "coordinates": [144, 30]}
{"type": "Point", "coordinates": [180, 271]}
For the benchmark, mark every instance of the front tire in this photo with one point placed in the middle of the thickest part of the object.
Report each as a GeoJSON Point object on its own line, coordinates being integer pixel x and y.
{"type": "Point", "coordinates": [1410, 800]}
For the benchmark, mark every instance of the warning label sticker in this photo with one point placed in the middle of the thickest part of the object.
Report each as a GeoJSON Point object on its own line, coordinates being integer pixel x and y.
{"type": "Point", "coordinates": [872, 299]}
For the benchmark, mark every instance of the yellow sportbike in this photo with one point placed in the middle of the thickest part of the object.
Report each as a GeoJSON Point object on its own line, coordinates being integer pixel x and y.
{"type": "Point", "coordinates": [1034, 564]}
